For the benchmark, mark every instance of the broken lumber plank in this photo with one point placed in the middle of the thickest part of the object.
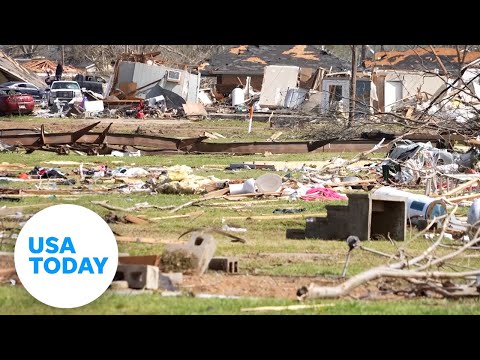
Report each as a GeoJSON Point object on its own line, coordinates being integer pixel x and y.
{"type": "Point", "coordinates": [462, 187]}
{"type": "Point", "coordinates": [218, 135]}
{"type": "Point", "coordinates": [133, 239]}
{"type": "Point", "coordinates": [287, 307]}
{"type": "Point", "coordinates": [135, 220]}
{"type": "Point", "coordinates": [190, 203]}
{"type": "Point", "coordinates": [135, 208]}
{"type": "Point", "coordinates": [216, 193]}
{"type": "Point", "coordinates": [189, 215]}
{"type": "Point", "coordinates": [239, 197]}
{"type": "Point", "coordinates": [272, 217]}
{"type": "Point", "coordinates": [275, 136]}
{"type": "Point", "coordinates": [409, 113]}
{"type": "Point", "coordinates": [218, 231]}
{"type": "Point", "coordinates": [110, 207]}
{"type": "Point", "coordinates": [464, 197]}
{"type": "Point", "coordinates": [251, 202]}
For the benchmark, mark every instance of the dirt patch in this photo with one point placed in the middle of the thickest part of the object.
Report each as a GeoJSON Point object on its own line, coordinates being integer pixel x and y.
{"type": "Point", "coordinates": [280, 287]}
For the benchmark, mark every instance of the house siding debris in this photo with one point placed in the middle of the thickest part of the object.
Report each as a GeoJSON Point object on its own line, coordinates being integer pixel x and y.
{"type": "Point", "coordinates": [11, 70]}
{"type": "Point", "coordinates": [186, 86]}
{"type": "Point", "coordinates": [400, 75]}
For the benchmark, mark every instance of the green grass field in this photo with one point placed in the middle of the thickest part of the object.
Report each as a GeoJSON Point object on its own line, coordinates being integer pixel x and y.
{"type": "Point", "coordinates": [264, 237]}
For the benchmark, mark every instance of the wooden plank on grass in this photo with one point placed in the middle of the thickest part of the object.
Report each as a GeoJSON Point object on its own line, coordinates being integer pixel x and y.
{"type": "Point", "coordinates": [216, 193]}
{"type": "Point", "coordinates": [135, 220]}
{"type": "Point", "coordinates": [283, 308]}
{"type": "Point", "coordinates": [462, 187]}
{"type": "Point", "coordinates": [133, 239]}
{"type": "Point", "coordinates": [189, 215]}
{"type": "Point", "coordinates": [273, 217]}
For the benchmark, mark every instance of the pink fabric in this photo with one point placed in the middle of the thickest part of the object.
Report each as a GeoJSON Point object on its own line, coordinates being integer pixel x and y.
{"type": "Point", "coordinates": [321, 193]}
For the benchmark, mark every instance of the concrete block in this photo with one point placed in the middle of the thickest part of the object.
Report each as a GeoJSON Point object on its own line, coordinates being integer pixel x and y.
{"type": "Point", "coordinates": [390, 218]}
{"type": "Point", "coordinates": [364, 217]}
{"type": "Point", "coordinates": [119, 284]}
{"type": "Point", "coordinates": [170, 281]}
{"type": "Point", "coordinates": [203, 247]}
{"type": "Point", "coordinates": [138, 276]}
{"type": "Point", "coordinates": [195, 255]}
{"type": "Point", "coordinates": [227, 264]}
{"type": "Point", "coordinates": [298, 234]}
{"type": "Point", "coordinates": [175, 277]}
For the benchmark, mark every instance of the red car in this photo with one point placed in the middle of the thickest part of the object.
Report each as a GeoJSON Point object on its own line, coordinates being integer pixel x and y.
{"type": "Point", "coordinates": [16, 103]}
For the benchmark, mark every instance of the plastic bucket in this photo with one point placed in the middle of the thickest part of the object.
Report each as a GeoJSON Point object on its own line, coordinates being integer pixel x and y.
{"type": "Point", "coordinates": [269, 183]}
{"type": "Point", "coordinates": [235, 189]}
{"type": "Point", "coordinates": [248, 187]}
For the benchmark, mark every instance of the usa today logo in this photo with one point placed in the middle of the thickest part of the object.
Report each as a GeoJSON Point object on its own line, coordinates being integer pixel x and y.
{"type": "Point", "coordinates": [66, 256]}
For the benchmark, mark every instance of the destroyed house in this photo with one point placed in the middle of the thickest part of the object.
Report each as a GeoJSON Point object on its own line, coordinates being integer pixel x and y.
{"type": "Point", "coordinates": [11, 70]}
{"type": "Point", "coordinates": [418, 74]}
{"type": "Point", "coordinates": [43, 67]}
{"type": "Point", "coordinates": [142, 76]}
{"type": "Point", "coordinates": [232, 67]}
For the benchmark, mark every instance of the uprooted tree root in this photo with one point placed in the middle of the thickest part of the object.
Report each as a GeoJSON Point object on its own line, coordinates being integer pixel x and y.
{"type": "Point", "coordinates": [418, 271]}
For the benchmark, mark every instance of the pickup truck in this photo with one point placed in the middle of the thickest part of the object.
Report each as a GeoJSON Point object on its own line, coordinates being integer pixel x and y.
{"type": "Point", "coordinates": [64, 91]}
{"type": "Point", "coordinates": [90, 82]}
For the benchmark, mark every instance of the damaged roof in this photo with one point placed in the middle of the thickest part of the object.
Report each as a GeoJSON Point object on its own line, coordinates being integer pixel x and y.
{"type": "Point", "coordinates": [251, 59]}
{"type": "Point", "coordinates": [421, 59]}
{"type": "Point", "coordinates": [15, 72]}
{"type": "Point", "coordinates": [42, 65]}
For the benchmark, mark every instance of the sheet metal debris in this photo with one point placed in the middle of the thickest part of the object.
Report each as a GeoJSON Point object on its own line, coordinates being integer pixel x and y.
{"type": "Point", "coordinates": [96, 142]}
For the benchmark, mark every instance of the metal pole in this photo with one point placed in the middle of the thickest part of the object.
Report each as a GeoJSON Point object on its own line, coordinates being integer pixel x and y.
{"type": "Point", "coordinates": [353, 86]}
{"type": "Point", "coordinates": [363, 54]}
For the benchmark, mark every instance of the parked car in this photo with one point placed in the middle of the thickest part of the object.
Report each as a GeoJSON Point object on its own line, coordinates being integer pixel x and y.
{"type": "Point", "coordinates": [25, 88]}
{"type": "Point", "coordinates": [14, 102]}
{"type": "Point", "coordinates": [91, 82]}
{"type": "Point", "coordinates": [64, 91]}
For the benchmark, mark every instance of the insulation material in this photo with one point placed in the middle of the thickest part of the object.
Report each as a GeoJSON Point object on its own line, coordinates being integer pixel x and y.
{"type": "Point", "coordinates": [373, 92]}
{"type": "Point", "coordinates": [94, 106]}
{"type": "Point", "coordinates": [276, 82]}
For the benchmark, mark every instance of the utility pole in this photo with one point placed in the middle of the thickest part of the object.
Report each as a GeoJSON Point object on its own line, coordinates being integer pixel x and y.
{"type": "Point", "coordinates": [353, 86]}
{"type": "Point", "coordinates": [63, 55]}
{"type": "Point", "coordinates": [363, 54]}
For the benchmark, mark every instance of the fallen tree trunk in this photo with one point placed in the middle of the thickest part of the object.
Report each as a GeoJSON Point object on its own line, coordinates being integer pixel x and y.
{"type": "Point", "coordinates": [314, 291]}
